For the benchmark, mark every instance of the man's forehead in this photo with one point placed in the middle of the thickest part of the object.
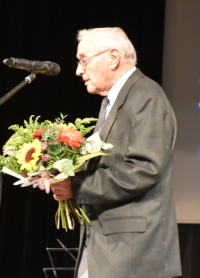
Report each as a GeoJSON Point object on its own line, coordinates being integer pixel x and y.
{"type": "Point", "coordinates": [88, 46]}
{"type": "Point", "coordinates": [84, 48]}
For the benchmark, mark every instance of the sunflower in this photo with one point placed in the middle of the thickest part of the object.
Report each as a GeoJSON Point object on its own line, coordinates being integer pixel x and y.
{"type": "Point", "coordinates": [29, 155]}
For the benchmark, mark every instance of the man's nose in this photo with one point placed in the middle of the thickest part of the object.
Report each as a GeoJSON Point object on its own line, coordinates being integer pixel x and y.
{"type": "Point", "coordinates": [79, 70]}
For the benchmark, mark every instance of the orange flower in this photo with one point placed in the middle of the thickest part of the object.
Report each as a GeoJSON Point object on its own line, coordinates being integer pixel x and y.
{"type": "Point", "coordinates": [71, 137]}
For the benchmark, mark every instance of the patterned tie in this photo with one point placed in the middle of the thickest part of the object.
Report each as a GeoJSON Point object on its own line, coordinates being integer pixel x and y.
{"type": "Point", "coordinates": [102, 114]}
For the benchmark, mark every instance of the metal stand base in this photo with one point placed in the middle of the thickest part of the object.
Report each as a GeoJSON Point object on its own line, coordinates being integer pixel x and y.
{"type": "Point", "coordinates": [55, 269]}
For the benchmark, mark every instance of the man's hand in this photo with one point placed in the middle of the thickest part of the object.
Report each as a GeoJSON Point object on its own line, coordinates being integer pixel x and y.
{"type": "Point", "coordinates": [62, 189]}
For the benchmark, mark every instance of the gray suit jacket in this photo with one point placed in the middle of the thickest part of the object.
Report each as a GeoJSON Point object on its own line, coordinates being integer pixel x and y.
{"type": "Point", "coordinates": [128, 195]}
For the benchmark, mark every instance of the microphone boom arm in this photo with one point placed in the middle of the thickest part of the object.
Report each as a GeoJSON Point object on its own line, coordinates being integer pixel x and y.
{"type": "Point", "coordinates": [27, 80]}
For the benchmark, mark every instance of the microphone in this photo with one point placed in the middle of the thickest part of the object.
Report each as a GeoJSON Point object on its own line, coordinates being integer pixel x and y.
{"type": "Point", "coordinates": [46, 68]}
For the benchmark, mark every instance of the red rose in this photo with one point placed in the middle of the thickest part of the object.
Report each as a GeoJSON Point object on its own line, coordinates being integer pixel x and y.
{"type": "Point", "coordinates": [37, 133]}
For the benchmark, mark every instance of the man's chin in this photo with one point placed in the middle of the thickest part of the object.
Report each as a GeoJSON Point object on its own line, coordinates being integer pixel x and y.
{"type": "Point", "coordinates": [92, 90]}
{"type": "Point", "coordinates": [95, 91]}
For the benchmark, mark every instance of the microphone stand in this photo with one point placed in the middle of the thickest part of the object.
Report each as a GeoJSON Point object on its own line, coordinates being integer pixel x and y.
{"type": "Point", "coordinates": [27, 80]}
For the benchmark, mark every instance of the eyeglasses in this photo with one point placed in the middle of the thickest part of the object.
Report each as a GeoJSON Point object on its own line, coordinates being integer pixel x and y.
{"type": "Point", "coordinates": [83, 62]}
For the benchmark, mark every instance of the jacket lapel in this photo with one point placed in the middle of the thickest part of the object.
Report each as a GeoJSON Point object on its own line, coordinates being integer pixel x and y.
{"type": "Point", "coordinates": [113, 113]}
{"type": "Point", "coordinates": [118, 103]}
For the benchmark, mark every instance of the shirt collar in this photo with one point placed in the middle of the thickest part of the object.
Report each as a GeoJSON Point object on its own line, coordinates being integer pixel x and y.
{"type": "Point", "coordinates": [114, 91]}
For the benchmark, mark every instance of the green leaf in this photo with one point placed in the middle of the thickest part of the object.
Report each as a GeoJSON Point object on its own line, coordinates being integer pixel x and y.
{"type": "Point", "coordinates": [83, 158]}
{"type": "Point", "coordinates": [42, 168]}
{"type": "Point", "coordinates": [65, 166]}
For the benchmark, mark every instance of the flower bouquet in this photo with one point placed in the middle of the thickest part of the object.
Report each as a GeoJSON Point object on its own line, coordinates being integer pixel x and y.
{"type": "Point", "coordinates": [39, 154]}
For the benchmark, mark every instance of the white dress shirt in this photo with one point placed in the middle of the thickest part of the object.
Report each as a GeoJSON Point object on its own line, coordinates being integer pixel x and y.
{"type": "Point", "coordinates": [114, 91]}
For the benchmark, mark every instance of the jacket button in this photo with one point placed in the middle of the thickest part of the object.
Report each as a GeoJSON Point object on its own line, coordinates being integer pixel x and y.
{"type": "Point", "coordinates": [82, 201]}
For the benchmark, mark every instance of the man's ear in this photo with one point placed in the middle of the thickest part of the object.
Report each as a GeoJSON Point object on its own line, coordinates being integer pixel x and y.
{"type": "Point", "coordinates": [114, 58]}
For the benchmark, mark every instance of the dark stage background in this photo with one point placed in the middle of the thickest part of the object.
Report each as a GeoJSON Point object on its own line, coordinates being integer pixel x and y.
{"type": "Point", "coordinates": [46, 30]}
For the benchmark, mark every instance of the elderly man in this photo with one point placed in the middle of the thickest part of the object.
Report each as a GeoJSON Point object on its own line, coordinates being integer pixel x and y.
{"type": "Point", "coordinates": [128, 194]}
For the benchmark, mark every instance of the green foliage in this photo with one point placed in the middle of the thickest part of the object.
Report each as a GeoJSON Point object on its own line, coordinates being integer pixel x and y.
{"type": "Point", "coordinates": [2, 162]}
{"type": "Point", "coordinates": [49, 132]}
{"type": "Point", "coordinates": [61, 120]}
{"type": "Point", "coordinates": [15, 142]}
{"type": "Point", "coordinates": [57, 151]}
{"type": "Point", "coordinates": [80, 125]}
{"type": "Point", "coordinates": [32, 125]}
{"type": "Point", "coordinates": [10, 162]}
{"type": "Point", "coordinates": [50, 164]}
{"type": "Point", "coordinates": [60, 151]}
{"type": "Point", "coordinates": [22, 135]}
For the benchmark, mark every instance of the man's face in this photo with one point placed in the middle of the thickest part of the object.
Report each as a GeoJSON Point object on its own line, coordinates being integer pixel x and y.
{"type": "Point", "coordinates": [97, 75]}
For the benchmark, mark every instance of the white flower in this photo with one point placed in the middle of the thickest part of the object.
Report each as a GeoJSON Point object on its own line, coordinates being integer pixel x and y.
{"type": "Point", "coordinates": [94, 144]}
{"type": "Point", "coordinates": [107, 146]}
{"type": "Point", "coordinates": [88, 146]}
{"type": "Point", "coordinates": [10, 153]}
{"type": "Point", "coordinates": [83, 151]}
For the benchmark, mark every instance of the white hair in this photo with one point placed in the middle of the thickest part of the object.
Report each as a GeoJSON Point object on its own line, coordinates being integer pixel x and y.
{"type": "Point", "coordinates": [113, 37]}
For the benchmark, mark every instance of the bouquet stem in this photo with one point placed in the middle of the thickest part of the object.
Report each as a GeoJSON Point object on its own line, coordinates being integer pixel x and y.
{"type": "Point", "coordinates": [67, 211]}
{"type": "Point", "coordinates": [81, 210]}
